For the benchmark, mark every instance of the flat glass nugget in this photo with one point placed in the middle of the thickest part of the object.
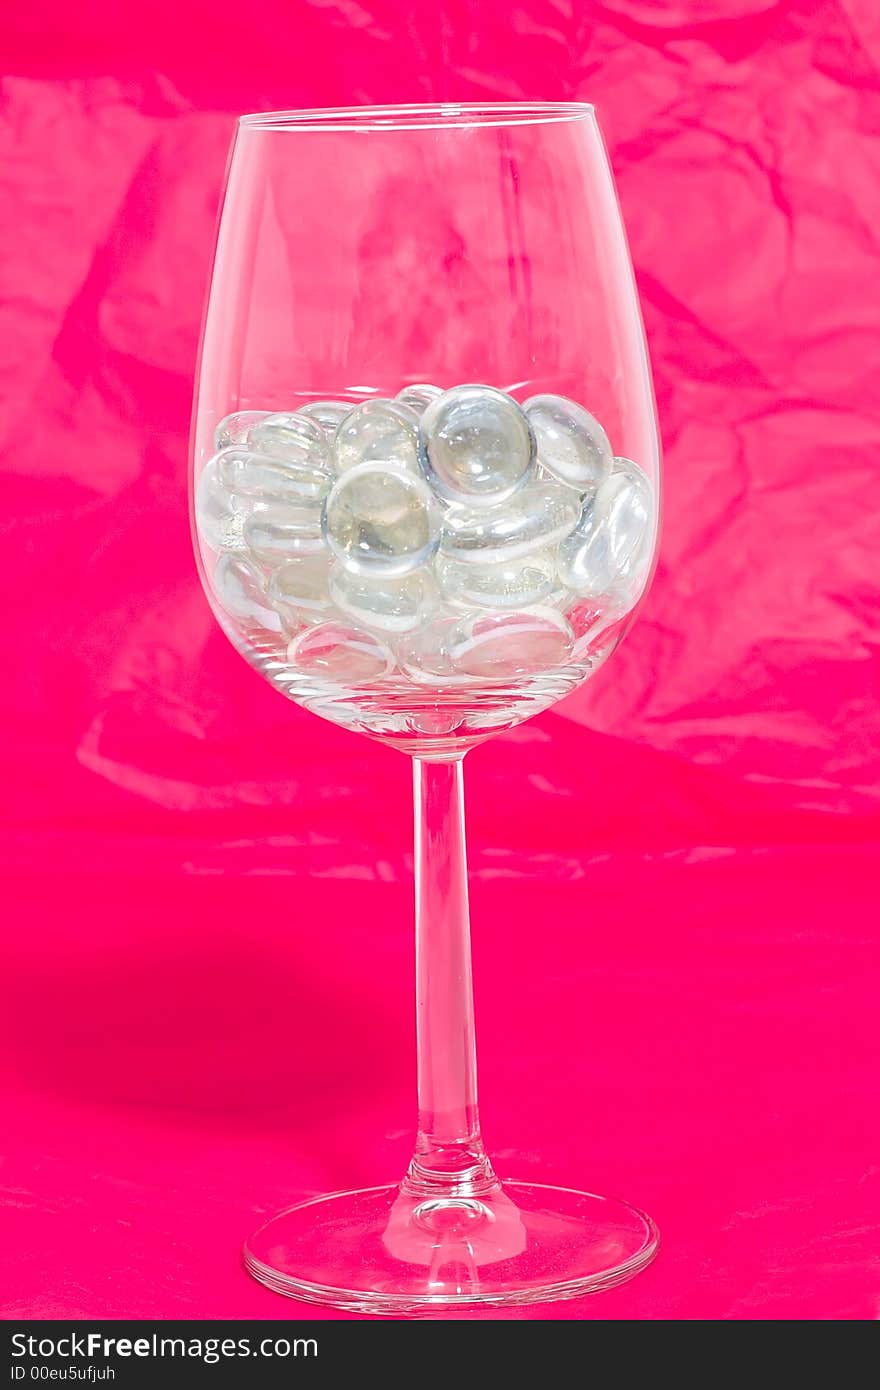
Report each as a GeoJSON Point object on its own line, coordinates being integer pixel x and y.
{"type": "Point", "coordinates": [610, 547]}
{"type": "Point", "coordinates": [235, 428]}
{"type": "Point", "coordinates": [504, 645]}
{"type": "Point", "coordinates": [278, 531]}
{"type": "Point", "coordinates": [378, 432]}
{"type": "Point", "coordinates": [419, 396]}
{"type": "Point", "coordinates": [341, 653]}
{"type": "Point", "coordinates": [219, 515]}
{"type": "Point", "coordinates": [571, 444]}
{"type": "Point", "coordinates": [240, 592]}
{"type": "Point", "coordinates": [388, 604]}
{"type": "Point", "coordinates": [597, 627]}
{"type": "Point", "coordinates": [538, 515]}
{"type": "Point", "coordinates": [326, 413]}
{"type": "Point", "coordinates": [424, 656]}
{"type": "Point", "coordinates": [290, 436]}
{"type": "Point", "coordinates": [506, 584]}
{"type": "Point", "coordinates": [476, 445]}
{"type": "Point", "coordinates": [299, 591]}
{"type": "Point", "coordinates": [250, 474]}
{"type": "Point", "coordinates": [628, 503]}
{"type": "Point", "coordinates": [380, 520]}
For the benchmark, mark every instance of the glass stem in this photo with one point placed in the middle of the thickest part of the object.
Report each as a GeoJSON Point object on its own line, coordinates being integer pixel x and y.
{"type": "Point", "coordinates": [449, 1159]}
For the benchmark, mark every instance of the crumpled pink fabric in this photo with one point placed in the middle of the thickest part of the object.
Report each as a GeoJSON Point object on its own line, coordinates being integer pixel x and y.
{"type": "Point", "coordinates": [207, 890]}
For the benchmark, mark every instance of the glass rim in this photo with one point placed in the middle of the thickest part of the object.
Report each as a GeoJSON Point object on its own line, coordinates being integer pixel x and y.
{"type": "Point", "coordinates": [443, 115]}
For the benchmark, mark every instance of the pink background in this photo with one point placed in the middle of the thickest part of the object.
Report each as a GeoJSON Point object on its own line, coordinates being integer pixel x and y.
{"type": "Point", "coordinates": [207, 1009]}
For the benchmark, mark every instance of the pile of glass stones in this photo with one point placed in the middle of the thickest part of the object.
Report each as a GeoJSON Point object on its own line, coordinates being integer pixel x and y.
{"type": "Point", "coordinates": [439, 537]}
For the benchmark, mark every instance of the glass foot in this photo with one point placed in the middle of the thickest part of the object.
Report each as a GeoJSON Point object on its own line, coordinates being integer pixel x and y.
{"type": "Point", "coordinates": [381, 1250]}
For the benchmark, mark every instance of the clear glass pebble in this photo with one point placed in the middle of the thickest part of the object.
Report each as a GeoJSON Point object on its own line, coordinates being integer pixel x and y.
{"type": "Point", "coordinates": [424, 655]}
{"type": "Point", "coordinates": [299, 591]}
{"type": "Point", "coordinates": [289, 435]}
{"type": "Point", "coordinates": [611, 544]}
{"type": "Point", "coordinates": [249, 474]}
{"type": "Point", "coordinates": [240, 592]}
{"type": "Point", "coordinates": [235, 428]}
{"type": "Point", "coordinates": [380, 520]}
{"type": "Point", "coordinates": [419, 396]}
{"type": "Point", "coordinates": [219, 515]}
{"type": "Point", "coordinates": [326, 413]}
{"type": "Point", "coordinates": [595, 625]}
{"type": "Point", "coordinates": [275, 532]}
{"type": "Point", "coordinates": [341, 653]}
{"type": "Point", "coordinates": [584, 614]}
{"type": "Point", "coordinates": [391, 605]}
{"type": "Point", "coordinates": [628, 504]}
{"type": "Point", "coordinates": [378, 431]}
{"type": "Point", "coordinates": [476, 445]}
{"type": "Point", "coordinates": [505, 645]}
{"type": "Point", "coordinates": [538, 515]}
{"type": "Point", "coordinates": [518, 583]}
{"type": "Point", "coordinates": [571, 444]}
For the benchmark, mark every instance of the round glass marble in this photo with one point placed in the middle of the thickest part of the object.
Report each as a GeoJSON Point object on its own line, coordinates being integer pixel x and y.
{"type": "Point", "coordinates": [419, 396]}
{"type": "Point", "coordinates": [516, 583]}
{"type": "Point", "coordinates": [240, 591]}
{"type": "Point", "coordinates": [505, 645]}
{"type": "Point", "coordinates": [299, 590]}
{"type": "Point", "coordinates": [292, 436]}
{"type": "Point", "coordinates": [381, 520]}
{"type": "Point", "coordinates": [275, 532]}
{"type": "Point", "coordinates": [220, 515]}
{"type": "Point", "coordinates": [378, 431]}
{"type": "Point", "coordinates": [424, 654]}
{"type": "Point", "coordinates": [611, 544]}
{"type": "Point", "coordinates": [476, 445]}
{"type": "Point", "coordinates": [341, 653]}
{"type": "Point", "coordinates": [250, 474]}
{"type": "Point", "coordinates": [388, 604]}
{"type": "Point", "coordinates": [235, 428]}
{"type": "Point", "coordinates": [571, 444]}
{"type": "Point", "coordinates": [538, 515]}
{"type": "Point", "coordinates": [326, 413]}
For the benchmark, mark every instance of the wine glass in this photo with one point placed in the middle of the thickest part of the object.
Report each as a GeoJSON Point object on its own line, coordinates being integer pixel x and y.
{"type": "Point", "coordinates": [425, 493]}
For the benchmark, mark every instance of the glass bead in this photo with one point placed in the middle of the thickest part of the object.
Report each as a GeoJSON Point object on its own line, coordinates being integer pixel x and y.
{"type": "Point", "coordinates": [219, 515]}
{"type": "Point", "coordinates": [538, 515]}
{"type": "Point", "coordinates": [299, 591]}
{"type": "Point", "coordinates": [381, 520]}
{"type": "Point", "coordinates": [476, 445]}
{"type": "Point", "coordinates": [419, 396]}
{"type": "Point", "coordinates": [240, 592]}
{"type": "Point", "coordinates": [571, 444]}
{"type": "Point", "coordinates": [235, 428]}
{"type": "Point", "coordinates": [249, 474]}
{"type": "Point", "coordinates": [288, 435]}
{"type": "Point", "coordinates": [611, 544]}
{"type": "Point", "coordinates": [518, 583]}
{"type": "Point", "coordinates": [378, 432]}
{"type": "Point", "coordinates": [327, 414]}
{"type": "Point", "coordinates": [502, 646]}
{"type": "Point", "coordinates": [275, 532]}
{"type": "Point", "coordinates": [391, 605]}
{"type": "Point", "coordinates": [341, 653]}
